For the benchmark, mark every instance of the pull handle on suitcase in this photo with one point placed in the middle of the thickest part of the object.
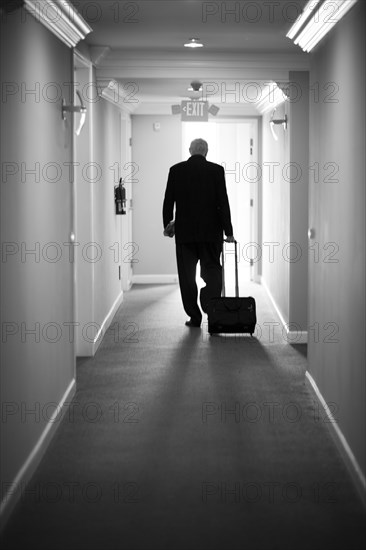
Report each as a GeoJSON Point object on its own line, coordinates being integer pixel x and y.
{"type": "Point", "coordinates": [236, 271]}
{"type": "Point", "coordinates": [231, 315]}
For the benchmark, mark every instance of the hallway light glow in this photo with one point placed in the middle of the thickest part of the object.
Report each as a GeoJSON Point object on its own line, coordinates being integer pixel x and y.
{"type": "Point", "coordinates": [271, 97]}
{"type": "Point", "coordinates": [320, 22]}
{"type": "Point", "coordinates": [193, 43]}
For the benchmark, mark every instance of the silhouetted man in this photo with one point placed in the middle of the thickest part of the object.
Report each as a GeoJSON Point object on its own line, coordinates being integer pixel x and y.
{"type": "Point", "coordinates": [202, 212]}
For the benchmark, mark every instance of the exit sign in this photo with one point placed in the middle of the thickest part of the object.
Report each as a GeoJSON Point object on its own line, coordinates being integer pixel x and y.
{"type": "Point", "coordinates": [194, 111]}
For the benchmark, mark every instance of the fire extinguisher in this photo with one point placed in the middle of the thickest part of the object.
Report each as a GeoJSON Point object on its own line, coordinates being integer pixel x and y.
{"type": "Point", "coordinates": [120, 198]}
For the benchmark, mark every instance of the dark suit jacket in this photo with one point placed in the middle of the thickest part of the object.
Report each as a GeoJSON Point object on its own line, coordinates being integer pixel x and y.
{"type": "Point", "coordinates": [198, 190]}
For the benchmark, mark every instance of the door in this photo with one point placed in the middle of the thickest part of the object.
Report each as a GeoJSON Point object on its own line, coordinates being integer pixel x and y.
{"type": "Point", "coordinates": [84, 295]}
{"type": "Point", "coordinates": [232, 144]}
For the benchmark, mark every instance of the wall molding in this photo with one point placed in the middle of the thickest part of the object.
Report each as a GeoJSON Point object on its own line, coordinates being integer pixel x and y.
{"type": "Point", "coordinates": [121, 63]}
{"type": "Point", "coordinates": [106, 323]}
{"type": "Point", "coordinates": [24, 475]}
{"type": "Point", "coordinates": [341, 442]}
{"type": "Point", "coordinates": [292, 336]}
{"type": "Point", "coordinates": [154, 279]}
{"type": "Point", "coordinates": [61, 18]}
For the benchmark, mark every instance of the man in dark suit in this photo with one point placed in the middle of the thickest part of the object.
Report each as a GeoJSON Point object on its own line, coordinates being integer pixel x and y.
{"type": "Point", "coordinates": [202, 212]}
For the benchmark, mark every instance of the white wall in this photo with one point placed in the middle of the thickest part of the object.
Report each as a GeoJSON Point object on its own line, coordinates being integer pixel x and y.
{"type": "Point", "coordinates": [84, 307]}
{"type": "Point", "coordinates": [275, 214]}
{"type": "Point", "coordinates": [285, 207]}
{"type": "Point", "coordinates": [100, 252]}
{"type": "Point", "coordinates": [153, 152]}
{"type": "Point", "coordinates": [299, 203]}
{"type": "Point", "coordinates": [337, 213]}
{"type": "Point", "coordinates": [35, 290]}
{"type": "Point", "coordinates": [106, 225]}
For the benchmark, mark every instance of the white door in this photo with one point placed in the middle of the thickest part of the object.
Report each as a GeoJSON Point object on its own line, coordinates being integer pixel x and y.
{"type": "Point", "coordinates": [232, 144]}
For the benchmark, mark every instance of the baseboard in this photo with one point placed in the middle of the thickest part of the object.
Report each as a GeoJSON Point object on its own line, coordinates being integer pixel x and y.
{"type": "Point", "coordinates": [154, 279]}
{"type": "Point", "coordinates": [292, 336]}
{"type": "Point", "coordinates": [341, 443]}
{"type": "Point", "coordinates": [107, 321]}
{"type": "Point", "coordinates": [30, 465]}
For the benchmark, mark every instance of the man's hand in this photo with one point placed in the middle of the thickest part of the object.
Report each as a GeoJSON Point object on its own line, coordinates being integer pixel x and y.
{"type": "Point", "coordinates": [169, 230]}
{"type": "Point", "coordinates": [230, 239]}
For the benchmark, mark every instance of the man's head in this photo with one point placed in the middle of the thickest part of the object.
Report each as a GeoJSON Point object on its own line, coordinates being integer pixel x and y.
{"type": "Point", "coordinates": [198, 147]}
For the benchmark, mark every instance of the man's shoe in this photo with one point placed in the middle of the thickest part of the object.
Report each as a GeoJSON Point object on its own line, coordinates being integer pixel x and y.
{"type": "Point", "coordinates": [192, 324]}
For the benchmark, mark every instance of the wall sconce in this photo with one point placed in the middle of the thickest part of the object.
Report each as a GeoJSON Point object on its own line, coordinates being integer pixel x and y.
{"type": "Point", "coordinates": [75, 109]}
{"type": "Point", "coordinates": [274, 121]}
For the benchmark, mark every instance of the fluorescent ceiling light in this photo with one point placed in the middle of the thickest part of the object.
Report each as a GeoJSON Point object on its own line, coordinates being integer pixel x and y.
{"type": "Point", "coordinates": [193, 43]}
{"type": "Point", "coordinates": [310, 6]}
{"type": "Point", "coordinates": [322, 20]}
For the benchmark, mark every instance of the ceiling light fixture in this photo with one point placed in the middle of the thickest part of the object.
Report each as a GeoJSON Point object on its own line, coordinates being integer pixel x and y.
{"type": "Point", "coordinates": [193, 43]}
{"type": "Point", "coordinates": [195, 86]}
{"type": "Point", "coordinates": [309, 8]}
{"type": "Point", "coordinates": [315, 24]}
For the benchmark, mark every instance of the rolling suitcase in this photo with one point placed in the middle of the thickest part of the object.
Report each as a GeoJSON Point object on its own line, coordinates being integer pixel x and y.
{"type": "Point", "coordinates": [231, 314]}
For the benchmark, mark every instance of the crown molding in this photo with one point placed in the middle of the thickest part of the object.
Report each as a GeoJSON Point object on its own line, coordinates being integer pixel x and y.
{"type": "Point", "coordinates": [135, 64]}
{"type": "Point", "coordinates": [61, 18]}
{"type": "Point", "coordinates": [115, 93]}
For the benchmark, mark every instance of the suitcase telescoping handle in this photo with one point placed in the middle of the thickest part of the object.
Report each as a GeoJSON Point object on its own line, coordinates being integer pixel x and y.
{"type": "Point", "coordinates": [236, 270]}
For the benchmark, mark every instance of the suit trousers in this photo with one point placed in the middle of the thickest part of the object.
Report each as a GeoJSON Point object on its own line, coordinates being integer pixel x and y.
{"type": "Point", "coordinates": [188, 255]}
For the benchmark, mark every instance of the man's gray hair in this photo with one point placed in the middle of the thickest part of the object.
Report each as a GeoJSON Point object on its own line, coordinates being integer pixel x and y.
{"type": "Point", "coordinates": [198, 147]}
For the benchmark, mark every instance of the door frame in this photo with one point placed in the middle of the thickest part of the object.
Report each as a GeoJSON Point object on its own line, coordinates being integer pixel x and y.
{"type": "Point", "coordinates": [255, 187]}
{"type": "Point", "coordinates": [84, 301]}
{"type": "Point", "coordinates": [126, 225]}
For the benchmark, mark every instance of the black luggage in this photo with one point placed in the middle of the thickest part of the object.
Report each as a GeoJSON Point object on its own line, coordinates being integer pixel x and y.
{"type": "Point", "coordinates": [231, 314]}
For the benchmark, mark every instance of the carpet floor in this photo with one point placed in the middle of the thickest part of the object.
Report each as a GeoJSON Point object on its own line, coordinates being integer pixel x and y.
{"type": "Point", "coordinates": [178, 440]}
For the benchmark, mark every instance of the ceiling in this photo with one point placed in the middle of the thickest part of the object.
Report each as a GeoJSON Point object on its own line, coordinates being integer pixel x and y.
{"type": "Point", "coordinates": [141, 41]}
